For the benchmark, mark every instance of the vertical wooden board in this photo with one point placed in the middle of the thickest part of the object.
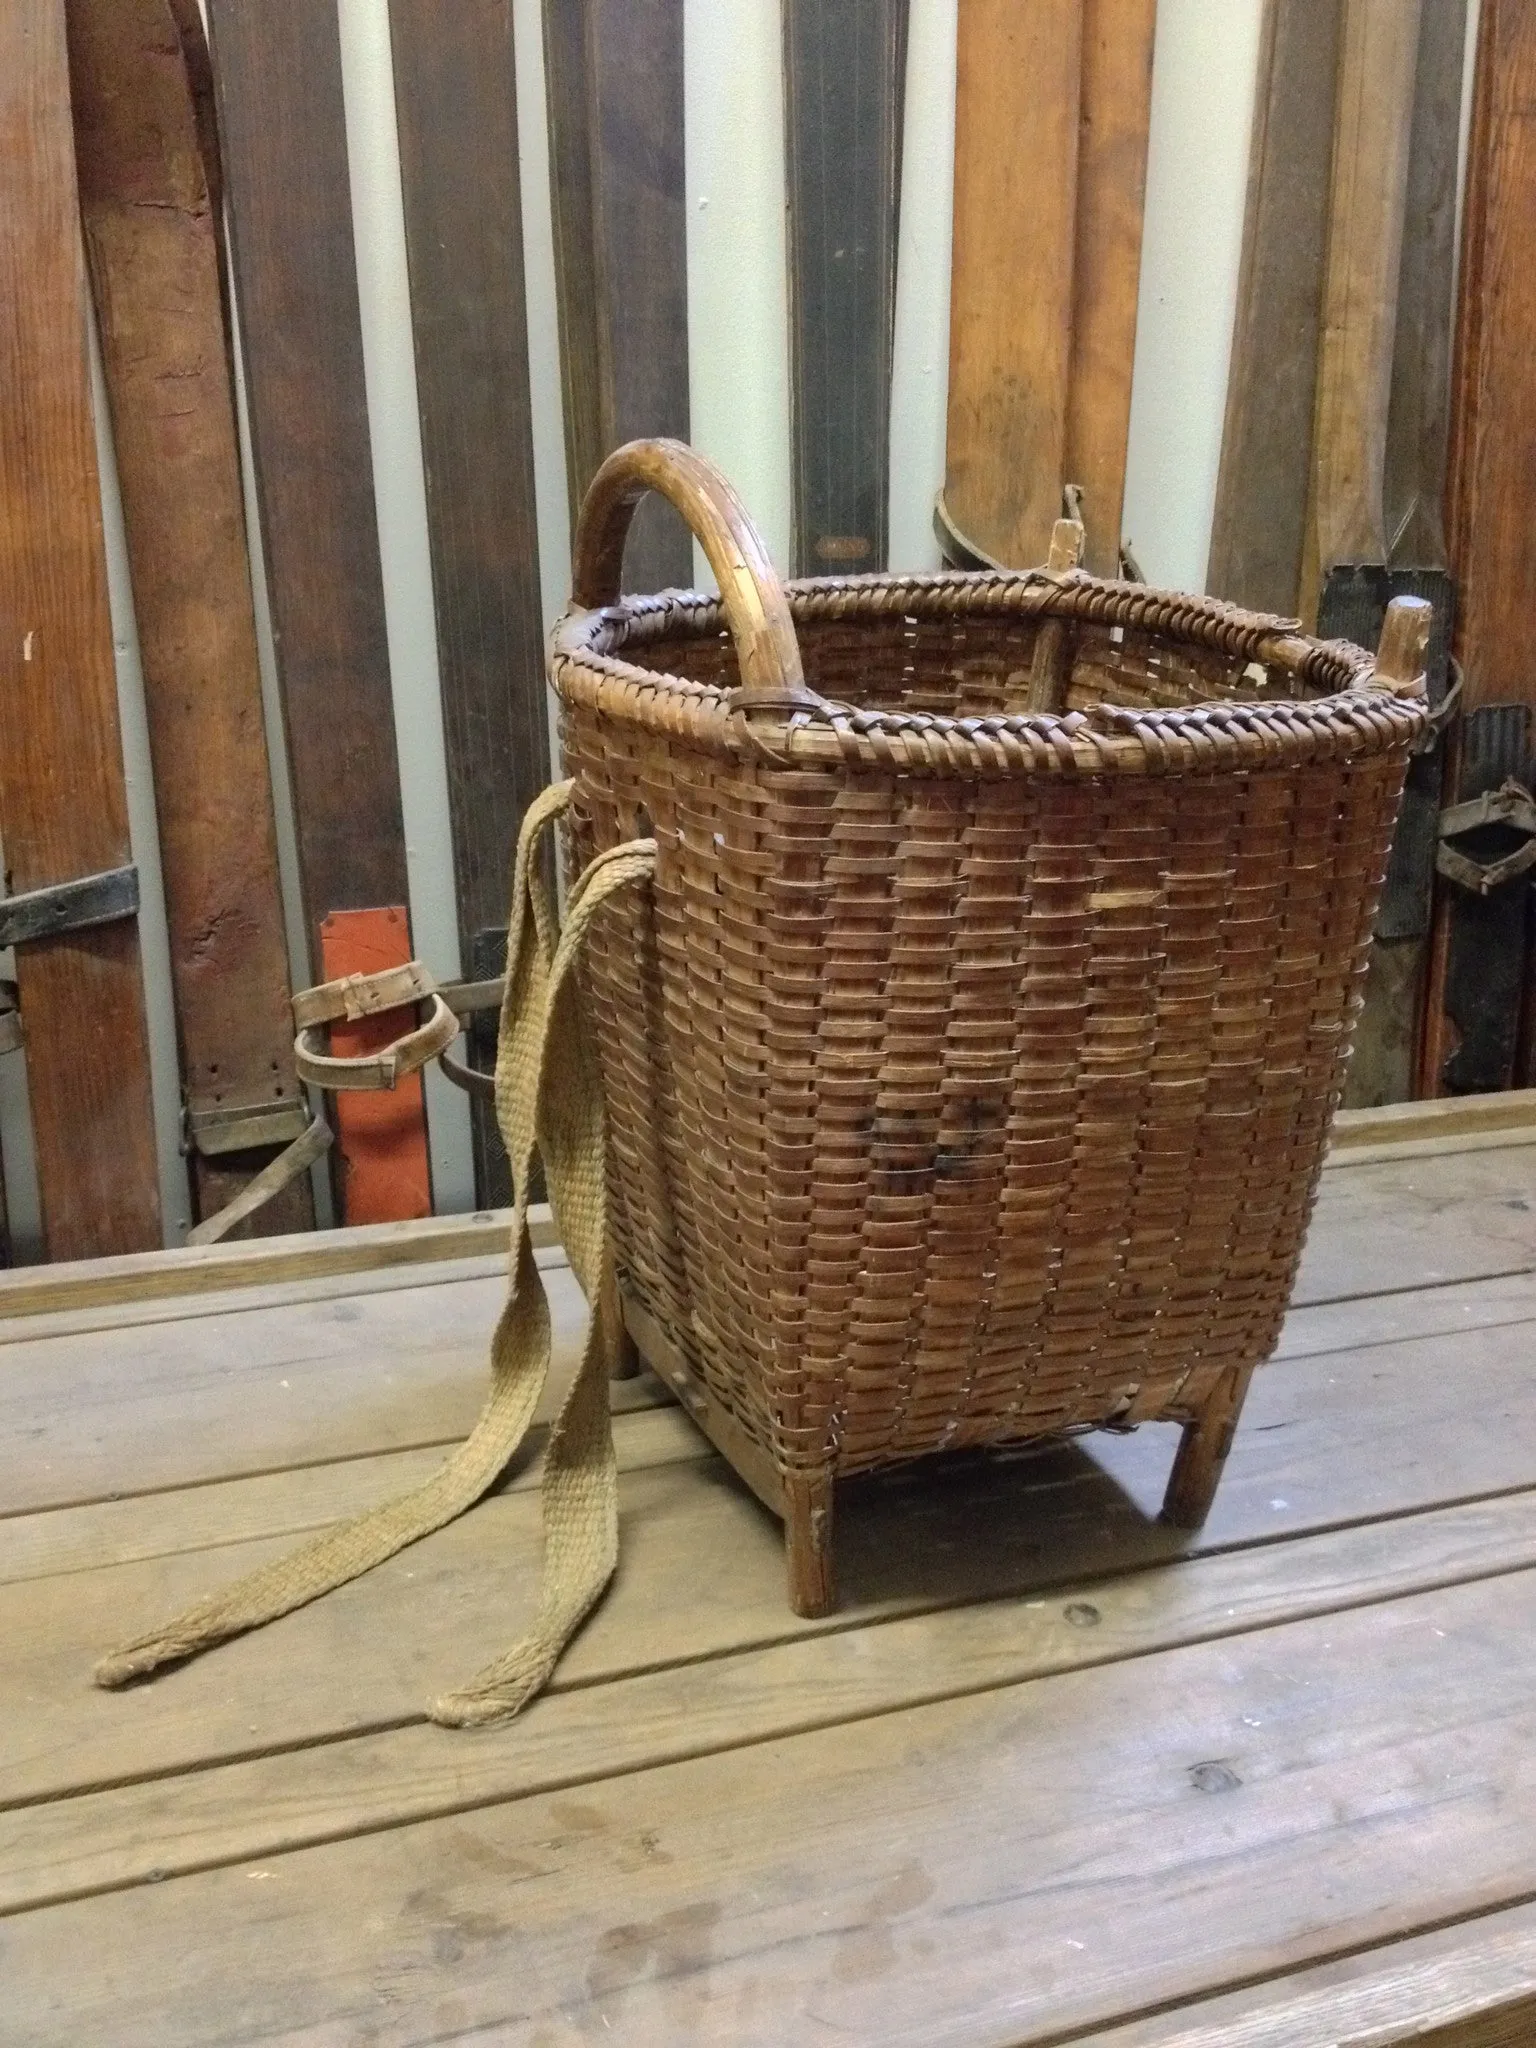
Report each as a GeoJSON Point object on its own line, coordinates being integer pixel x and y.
{"type": "Point", "coordinates": [1259, 524]}
{"type": "Point", "coordinates": [277, 71]}
{"type": "Point", "coordinates": [1017, 100]}
{"type": "Point", "coordinates": [1346, 516]}
{"type": "Point", "coordinates": [155, 265]}
{"type": "Point", "coordinates": [1480, 957]}
{"type": "Point", "coordinates": [1384, 1066]}
{"type": "Point", "coordinates": [614, 89]}
{"type": "Point", "coordinates": [383, 1171]}
{"type": "Point", "coordinates": [456, 109]}
{"type": "Point", "coordinates": [62, 795]}
{"type": "Point", "coordinates": [1113, 128]}
{"type": "Point", "coordinates": [844, 78]}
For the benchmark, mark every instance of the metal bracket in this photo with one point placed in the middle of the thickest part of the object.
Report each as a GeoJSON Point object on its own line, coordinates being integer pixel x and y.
{"type": "Point", "coordinates": [1512, 805]}
{"type": "Point", "coordinates": [241, 1126]}
{"type": "Point", "coordinates": [69, 906]}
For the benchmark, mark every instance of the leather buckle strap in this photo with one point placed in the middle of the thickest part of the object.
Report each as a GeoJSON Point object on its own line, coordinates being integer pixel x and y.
{"type": "Point", "coordinates": [465, 999]}
{"type": "Point", "coordinates": [1510, 805]}
{"type": "Point", "coordinates": [354, 997]}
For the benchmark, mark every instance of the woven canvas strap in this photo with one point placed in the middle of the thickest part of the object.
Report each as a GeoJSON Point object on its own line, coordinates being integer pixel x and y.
{"type": "Point", "coordinates": [548, 1099]}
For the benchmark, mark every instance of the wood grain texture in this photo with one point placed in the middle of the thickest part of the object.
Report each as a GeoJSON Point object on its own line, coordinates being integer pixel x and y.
{"type": "Point", "coordinates": [1460, 1987]}
{"type": "Point", "coordinates": [1051, 1776]}
{"type": "Point", "coordinates": [1483, 956]}
{"type": "Point", "coordinates": [1113, 129]}
{"type": "Point", "coordinates": [925, 1880]}
{"type": "Point", "coordinates": [1367, 201]}
{"type": "Point", "coordinates": [278, 73]}
{"type": "Point", "coordinates": [1018, 94]}
{"type": "Point", "coordinates": [456, 110]}
{"type": "Point", "coordinates": [1258, 532]}
{"type": "Point", "coordinates": [844, 86]}
{"type": "Point", "coordinates": [614, 88]}
{"type": "Point", "coordinates": [1385, 1064]}
{"type": "Point", "coordinates": [62, 795]}
{"type": "Point", "coordinates": [150, 235]}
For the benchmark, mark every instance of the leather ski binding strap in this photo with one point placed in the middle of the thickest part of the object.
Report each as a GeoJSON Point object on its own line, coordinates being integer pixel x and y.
{"type": "Point", "coordinates": [356, 996]}
{"type": "Point", "coordinates": [1511, 804]}
{"type": "Point", "coordinates": [69, 906]}
{"type": "Point", "coordinates": [465, 998]}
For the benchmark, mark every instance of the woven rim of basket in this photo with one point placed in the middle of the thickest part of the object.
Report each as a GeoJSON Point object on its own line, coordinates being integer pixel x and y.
{"type": "Point", "coordinates": [1349, 713]}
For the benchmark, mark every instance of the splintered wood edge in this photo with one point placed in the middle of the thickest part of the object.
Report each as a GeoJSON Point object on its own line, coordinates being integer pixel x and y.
{"type": "Point", "coordinates": [1360, 1136]}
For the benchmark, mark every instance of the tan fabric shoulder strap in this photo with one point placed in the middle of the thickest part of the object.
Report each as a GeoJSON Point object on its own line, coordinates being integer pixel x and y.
{"type": "Point", "coordinates": [548, 1100]}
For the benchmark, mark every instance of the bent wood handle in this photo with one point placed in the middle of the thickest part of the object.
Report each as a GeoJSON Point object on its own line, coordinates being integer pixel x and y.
{"type": "Point", "coordinates": [756, 607]}
{"type": "Point", "coordinates": [1365, 241]}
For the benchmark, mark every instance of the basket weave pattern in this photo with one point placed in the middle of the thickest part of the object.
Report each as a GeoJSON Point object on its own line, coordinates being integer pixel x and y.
{"type": "Point", "coordinates": [968, 1074]}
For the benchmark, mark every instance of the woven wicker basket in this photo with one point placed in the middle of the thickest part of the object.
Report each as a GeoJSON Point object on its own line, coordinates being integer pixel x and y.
{"type": "Point", "coordinates": [968, 1067]}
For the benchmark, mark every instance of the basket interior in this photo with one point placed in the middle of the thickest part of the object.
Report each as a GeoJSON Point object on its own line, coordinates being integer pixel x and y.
{"type": "Point", "coordinates": [980, 665]}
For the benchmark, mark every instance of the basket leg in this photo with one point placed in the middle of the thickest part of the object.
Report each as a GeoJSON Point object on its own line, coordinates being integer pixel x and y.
{"type": "Point", "coordinates": [624, 1359]}
{"type": "Point", "coordinates": [1203, 1452]}
{"type": "Point", "coordinates": [808, 1543]}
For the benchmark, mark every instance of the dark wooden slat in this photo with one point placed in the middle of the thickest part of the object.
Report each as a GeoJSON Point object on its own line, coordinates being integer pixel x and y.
{"type": "Point", "coordinates": [143, 156]}
{"type": "Point", "coordinates": [614, 87]}
{"type": "Point", "coordinates": [1481, 957]}
{"type": "Point", "coordinates": [844, 78]}
{"type": "Point", "coordinates": [1258, 530]}
{"type": "Point", "coordinates": [1385, 1063]}
{"type": "Point", "coordinates": [62, 797]}
{"type": "Point", "coordinates": [456, 108]}
{"type": "Point", "coordinates": [277, 70]}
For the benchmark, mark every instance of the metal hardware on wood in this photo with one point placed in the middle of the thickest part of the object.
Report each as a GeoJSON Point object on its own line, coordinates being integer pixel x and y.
{"type": "Point", "coordinates": [1510, 804]}
{"type": "Point", "coordinates": [69, 906]}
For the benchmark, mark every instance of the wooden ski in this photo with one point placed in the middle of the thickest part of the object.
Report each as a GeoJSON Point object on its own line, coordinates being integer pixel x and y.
{"type": "Point", "coordinates": [154, 258]}
{"type": "Point", "coordinates": [1384, 1066]}
{"type": "Point", "coordinates": [456, 108]}
{"type": "Point", "coordinates": [1018, 98]}
{"type": "Point", "coordinates": [844, 80]}
{"type": "Point", "coordinates": [1114, 122]}
{"type": "Point", "coordinates": [1264, 483]}
{"type": "Point", "coordinates": [62, 795]}
{"type": "Point", "coordinates": [277, 70]}
{"type": "Point", "coordinates": [282, 126]}
{"type": "Point", "coordinates": [1346, 532]}
{"type": "Point", "coordinates": [614, 88]}
{"type": "Point", "coordinates": [1479, 961]}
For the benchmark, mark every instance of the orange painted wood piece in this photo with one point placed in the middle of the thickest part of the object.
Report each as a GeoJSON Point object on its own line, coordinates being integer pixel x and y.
{"type": "Point", "coordinates": [62, 792]}
{"type": "Point", "coordinates": [383, 1173]}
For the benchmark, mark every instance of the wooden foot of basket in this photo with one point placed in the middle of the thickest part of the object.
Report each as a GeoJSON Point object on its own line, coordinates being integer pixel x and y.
{"type": "Point", "coordinates": [808, 1544]}
{"type": "Point", "coordinates": [1203, 1452]}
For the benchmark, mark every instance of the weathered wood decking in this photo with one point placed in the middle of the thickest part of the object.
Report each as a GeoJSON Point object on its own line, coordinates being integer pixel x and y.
{"type": "Point", "coordinates": [1051, 1774]}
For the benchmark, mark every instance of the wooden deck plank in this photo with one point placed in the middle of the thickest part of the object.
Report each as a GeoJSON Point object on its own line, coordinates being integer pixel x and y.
{"type": "Point", "coordinates": [296, 1501]}
{"type": "Point", "coordinates": [1320, 1448]}
{"type": "Point", "coordinates": [999, 1869]}
{"type": "Point", "coordinates": [81, 1412]}
{"type": "Point", "coordinates": [270, 1805]}
{"type": "Point", "coordinates": [1467, 1986]}
{"type": "Point", "coordinates": [282, 1492]}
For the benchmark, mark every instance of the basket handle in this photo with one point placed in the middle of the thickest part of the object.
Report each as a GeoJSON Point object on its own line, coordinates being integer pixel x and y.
{"type": "Point", "coordinates": [756, 607]}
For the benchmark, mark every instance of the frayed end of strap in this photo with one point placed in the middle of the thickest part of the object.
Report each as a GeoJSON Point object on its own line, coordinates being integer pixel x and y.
{"type": "Point", "coordinates": [479, 1709]}
{"type": "Point", "coordinates": [122, 1667]}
